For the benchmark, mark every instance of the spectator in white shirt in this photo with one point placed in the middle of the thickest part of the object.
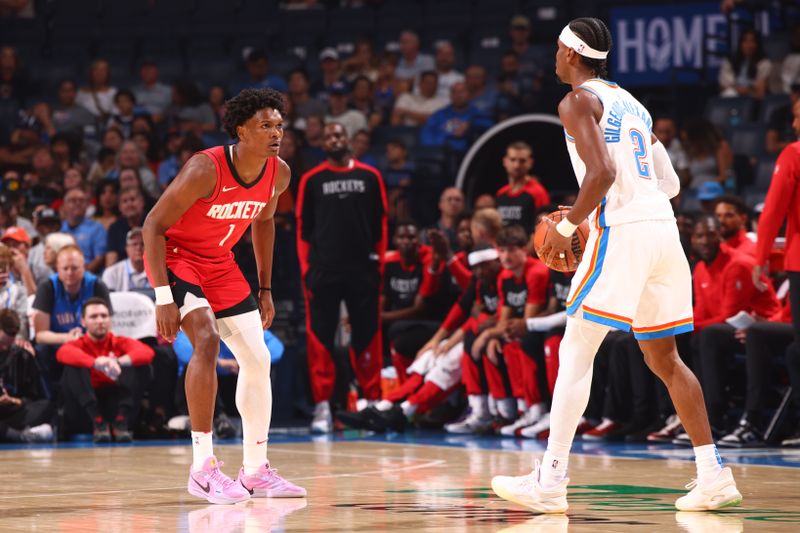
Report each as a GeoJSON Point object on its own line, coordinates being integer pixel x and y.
{"type": "Point", "coordinates": [412, 62]}
{"type": "Point", "coordinates": [129, 273]}
{"type": "Point", "coordinates": [667, 132]}
{"type": "Point", "coordinates": [155, 97]}
{"type": "Point", "coordinates": [352, 119]}
{"type": "Point", "coordinates": [413, 109]}
{"type": "Point", "coordinates": [445, 60]}
{"type": "Point", "coordinates": [98, 96]}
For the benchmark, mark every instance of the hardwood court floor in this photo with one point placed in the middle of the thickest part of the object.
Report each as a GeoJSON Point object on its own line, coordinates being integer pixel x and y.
{"type": "Point", "coordinates": [369, 486]}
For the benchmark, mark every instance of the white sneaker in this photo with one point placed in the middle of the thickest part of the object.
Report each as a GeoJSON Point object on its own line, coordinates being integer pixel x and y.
{"type": "Point", "coordinates": [526, 491]}
{"type": "Point", "coordinates": [473, 423]}
{"type": "Point", "coordinates": [533, 431]}
{"type": "Point", "coordinates": [716, 494]}
{"type": "Point", "coordinates": [709, 522]}
{"type": "Point", "coordinates": [528, 418]}
{"type": "Point", "coordinates": [323, 420]}
{"type": "Point", "coordinates": [40, 433]}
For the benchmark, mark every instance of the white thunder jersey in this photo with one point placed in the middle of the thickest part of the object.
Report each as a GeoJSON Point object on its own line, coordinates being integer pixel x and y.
{"type": "Point", "coordinates": [627, 130]}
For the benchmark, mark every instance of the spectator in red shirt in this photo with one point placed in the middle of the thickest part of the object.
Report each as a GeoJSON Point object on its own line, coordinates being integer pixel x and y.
{"type": "Point", "coordinates": [99, 381]}
{"type": "Point", "coordinates": [764, 341]}
{"type": "Point", "coordinates": [415, 297]}
{"type": "Point", "coordinates": [783, 203]}
{"type": "Point", "coordinates": [522, 293]}
{"type": "Point", "coordinates": [723, 287]}
{"type": "Point", "coordinates": [731, 212]}
{"type": "Point", "coordinates": [518, 201]}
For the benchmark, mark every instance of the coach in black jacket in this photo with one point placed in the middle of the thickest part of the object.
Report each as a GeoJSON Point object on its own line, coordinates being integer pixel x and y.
{"type": "Point", "coordinates": [341, 238]}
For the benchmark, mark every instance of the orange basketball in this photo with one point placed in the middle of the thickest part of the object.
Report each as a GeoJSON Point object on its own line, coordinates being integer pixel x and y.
{"type": "Point", "coordinates": [574, 254]}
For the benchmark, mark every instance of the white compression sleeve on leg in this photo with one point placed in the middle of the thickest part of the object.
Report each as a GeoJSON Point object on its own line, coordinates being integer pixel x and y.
{"type": "Point", "coordinates": [245, 338]}
{"type": "Point", "coordinates": [571, 394]}
{"type": "Point", "coordinates": [667, 179]}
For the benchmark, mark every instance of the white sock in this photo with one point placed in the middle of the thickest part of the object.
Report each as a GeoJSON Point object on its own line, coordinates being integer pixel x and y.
{"type": "Point", "coordinates": [492, 404]}
{"type": "Point", "coordinates": [253, 456]}
{"type": "Point", "coordinates": [408, 408]}
{"type": "Point", "coordinates": [384, 405]}
{"type": "Point", "coordinates": [245, 338]}
{"type": "Point", "coordinates": [537, 410]}
{"type": "Point", "coordinates": [507, 408]}
{"type": "Point", "coordinates": [479, 403]}
{"type": "Point", "coordinates": [708, 461]}
{"type": "Point", "coordinates": [522, 405]}
{"type": "Point", "coordinates": [202, 448]}
{"type": "Point", "coordinates": [554, 469]}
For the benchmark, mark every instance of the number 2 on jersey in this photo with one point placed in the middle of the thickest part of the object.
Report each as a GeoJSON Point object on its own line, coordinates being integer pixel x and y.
{"type": "Point", "coordinates": [230, 232]}
{"type": "Point", "coordinates": [640, 153]}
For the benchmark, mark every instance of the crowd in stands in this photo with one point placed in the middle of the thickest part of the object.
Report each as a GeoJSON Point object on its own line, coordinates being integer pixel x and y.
{"type": "Point", "coordinates": [470, 316]}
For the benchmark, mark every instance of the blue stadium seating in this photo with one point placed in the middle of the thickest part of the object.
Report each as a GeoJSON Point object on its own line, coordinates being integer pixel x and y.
{"type": "Point", "coordinates": [725, 112]}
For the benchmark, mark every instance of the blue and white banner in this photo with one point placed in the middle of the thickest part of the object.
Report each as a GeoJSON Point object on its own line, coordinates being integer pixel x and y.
{"type": "Point", "coordinates": [651, 42]}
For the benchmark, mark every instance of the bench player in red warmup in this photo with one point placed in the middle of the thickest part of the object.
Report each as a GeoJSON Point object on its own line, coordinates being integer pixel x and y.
{"type": "Point", "coordinates": [188, 239]}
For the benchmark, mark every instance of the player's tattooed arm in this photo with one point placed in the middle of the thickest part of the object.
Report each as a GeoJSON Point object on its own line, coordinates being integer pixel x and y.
{"type": "Point", "coordinates": [264, 242]}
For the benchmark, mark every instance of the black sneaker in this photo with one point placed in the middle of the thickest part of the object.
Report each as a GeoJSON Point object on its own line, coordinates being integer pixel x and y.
{"type": "Point", "coordinates": [355, 419]}
{"type": "Point", "coordinates": [121, 432]}
{"type": "Point", "coordinates": [223, 427]}
{"type": "Point", "coordinates": [393, 419]}
{"type": "Point", "coordinates": [101, 432]}
{"type": "Point", "coordinates": [744, 436]}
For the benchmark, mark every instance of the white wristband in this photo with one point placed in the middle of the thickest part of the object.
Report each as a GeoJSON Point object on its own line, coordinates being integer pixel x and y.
{"type": "Point", "coordinates": [531, 323]}
{"type": "Point", "coordinates": [565, 227]}
{"type": "Point", "coordinates": [163, 295]}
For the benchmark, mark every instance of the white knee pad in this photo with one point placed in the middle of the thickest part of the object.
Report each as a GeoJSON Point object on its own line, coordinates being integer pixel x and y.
{"type": "Point", "coordinates": [579, 345]}
{"type": "Point", "coordinates": [245, 338]}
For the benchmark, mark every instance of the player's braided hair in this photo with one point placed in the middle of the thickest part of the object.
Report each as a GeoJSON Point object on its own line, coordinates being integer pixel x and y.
{"type": "Point", "coordinates": [595, 33]}
{"type": "Point", "coordinates": [247, 103]}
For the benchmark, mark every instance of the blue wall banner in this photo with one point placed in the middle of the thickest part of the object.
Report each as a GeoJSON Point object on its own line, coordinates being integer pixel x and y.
{"type": "Point", "coordinates": [651, 42]}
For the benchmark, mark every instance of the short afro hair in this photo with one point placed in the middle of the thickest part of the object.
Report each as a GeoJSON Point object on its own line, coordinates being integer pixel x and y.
{"type": "Point", "coordinates": [247, 103]}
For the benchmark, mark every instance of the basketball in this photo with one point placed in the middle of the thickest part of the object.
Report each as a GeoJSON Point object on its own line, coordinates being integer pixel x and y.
{"type": "Point", "coordinates": [573, 255]}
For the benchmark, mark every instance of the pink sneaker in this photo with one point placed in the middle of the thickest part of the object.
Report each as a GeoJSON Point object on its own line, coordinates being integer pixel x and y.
{"type": "Point", "coordinates": [211, 484]}
{"type": "Point", "coordinates": [266, 483]}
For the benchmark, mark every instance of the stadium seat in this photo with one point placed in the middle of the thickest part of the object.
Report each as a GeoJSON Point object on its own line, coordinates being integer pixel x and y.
{"type": "Point", "coordinates": [770, 103]}
{"type": "Point", "coordinates": [358, 22]}
{"type": "Point", "coordinates": [764, 170]}
{"type": "Point", "coordinates": [725, 112]}
{"type": "Point", "coordinates": [748, 139]}
{"type": "Point", "coordinates": [383, 134]}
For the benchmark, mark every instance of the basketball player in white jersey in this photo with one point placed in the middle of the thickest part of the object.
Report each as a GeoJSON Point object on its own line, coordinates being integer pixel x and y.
{"type": "Point", "coordinates": [633, 276]}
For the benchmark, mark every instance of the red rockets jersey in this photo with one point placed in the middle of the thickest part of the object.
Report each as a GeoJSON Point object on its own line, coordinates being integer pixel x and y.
{"type": "Point", "coordinates": [210, 227]}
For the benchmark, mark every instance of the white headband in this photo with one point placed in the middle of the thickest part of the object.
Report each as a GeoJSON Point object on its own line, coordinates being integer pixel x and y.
{"type": "Point", "coordinates": [571, 40]}
{"type": "Point", "coordinates": [488, 254]}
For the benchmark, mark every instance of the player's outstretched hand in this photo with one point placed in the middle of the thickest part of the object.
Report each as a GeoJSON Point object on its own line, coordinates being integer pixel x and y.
{"type": "Point", "coordinates": [267, 308]}
{"type": "Point", "coordinates": [555, 244]}
{"type": "Point", "coordinates": [168, 321]}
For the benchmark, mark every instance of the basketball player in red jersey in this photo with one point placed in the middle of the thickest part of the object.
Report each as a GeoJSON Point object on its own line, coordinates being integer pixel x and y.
{"type": "Point", "coordinates": [188, 238]}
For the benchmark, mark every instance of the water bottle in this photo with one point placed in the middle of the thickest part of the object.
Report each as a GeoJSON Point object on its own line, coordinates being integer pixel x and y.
{"type": "Point", "coordinates": [734, 118]}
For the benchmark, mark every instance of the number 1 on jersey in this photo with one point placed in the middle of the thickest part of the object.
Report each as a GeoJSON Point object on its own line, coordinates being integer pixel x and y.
{"type": "Point", "coordinates": [640, 153]}
{"type": "Point", "coordinates": [230, 232]}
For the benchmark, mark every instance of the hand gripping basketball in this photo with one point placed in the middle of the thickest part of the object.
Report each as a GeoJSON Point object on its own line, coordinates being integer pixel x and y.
{"type": "Point", "coordinates": [567, 261]}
